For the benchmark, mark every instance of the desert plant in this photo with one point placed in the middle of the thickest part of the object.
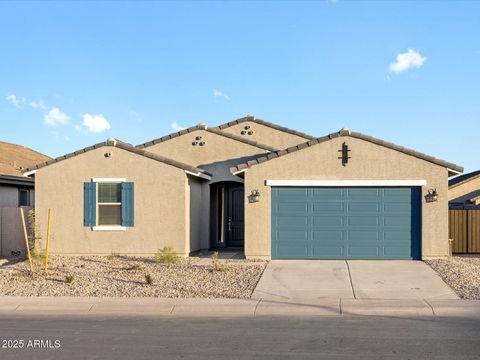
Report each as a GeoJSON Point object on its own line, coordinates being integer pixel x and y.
{"type": "Point", "coordinates": [166, 256]}
{"type": "Point", "coordinates": [149, 279]}
{"type": "Point", "coordinates": [69, 279]}
{"type": "Point", "coordinates": [216, 264]}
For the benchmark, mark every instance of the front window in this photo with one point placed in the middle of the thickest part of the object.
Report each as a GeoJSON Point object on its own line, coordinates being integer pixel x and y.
{"type": "Point", "coordinates": [109, 204]}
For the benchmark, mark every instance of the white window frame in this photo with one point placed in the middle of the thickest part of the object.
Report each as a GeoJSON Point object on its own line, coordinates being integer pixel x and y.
{"type": "Point", "coordinates": [107, 227]}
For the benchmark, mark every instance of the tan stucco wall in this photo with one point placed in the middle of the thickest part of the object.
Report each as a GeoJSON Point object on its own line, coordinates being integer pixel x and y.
{"type": "Point", "coordinates": [217, 148]}
{"type": "Point", "coordinates": [161, 204]}
{"type": "Point", "coordinates": [463, 189]}
{"type": "Point", "coordinates": [368, 161]}
{"type": "Point", "coordinates": [266, 135]}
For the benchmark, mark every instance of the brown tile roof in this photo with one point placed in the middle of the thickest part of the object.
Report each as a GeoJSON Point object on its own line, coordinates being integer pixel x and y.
{"type": "Point", "coordinates": [124, 146]}
{"type": "Point", "coordinates": [266, 123]}
{"type": "Point", "coordinates": [14, 158]}
{"type": "Point", "coordinates": [462, 179]}
{"type": "Point", "coordinates": [345, 132]}
{"type": "Point", "coordinates": [209, 129]}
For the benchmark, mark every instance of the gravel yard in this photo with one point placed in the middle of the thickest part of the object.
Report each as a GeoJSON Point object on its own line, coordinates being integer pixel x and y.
{"type": "Point", "coordinates": [461, 273]}
{"type": "Point", "coordinates": [119, 276]}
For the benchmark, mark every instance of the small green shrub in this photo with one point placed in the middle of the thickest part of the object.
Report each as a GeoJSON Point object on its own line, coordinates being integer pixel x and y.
{"type": "Point", "coordinates": [69, 279]}
{"type": "Point", "coordinates": [216, 264]}
{"type": "Point", "coordinates": [166, 256]}
{"type": "Point", "coordinates": [37, 255]}
{"type": "Point", "coordinates": [149, 279]}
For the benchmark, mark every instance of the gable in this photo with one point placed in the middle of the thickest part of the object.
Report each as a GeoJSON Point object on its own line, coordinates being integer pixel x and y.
{"type": "Point", "coordinates": [264, 132]}
{"type": "Point", "coordinates": [343, 135]}
{"type": "Point", "coordinates": [200, 146]}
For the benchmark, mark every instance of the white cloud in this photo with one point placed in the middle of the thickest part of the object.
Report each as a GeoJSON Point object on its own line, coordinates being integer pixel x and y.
{"type": "Point", "coordinates": [407, 60]}
{"type": "Point", "coordinates": [55, 117]}
{"type": "Point", "coordinates": [38, 105]}
{"type": "Point", "coordinates": [176, 126]}
{"type": "Point", "coordinates": [332, 1]}
{"type": "Point", "coordinates": [95, 123]}
{"type": "Point", "coordinates": [14, 100]}
{"type": "Point", "coordinates": [218, 93]}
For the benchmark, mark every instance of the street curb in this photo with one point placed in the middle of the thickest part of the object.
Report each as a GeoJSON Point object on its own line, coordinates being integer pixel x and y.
{"type": "Point", "coordinates": [201, 307]}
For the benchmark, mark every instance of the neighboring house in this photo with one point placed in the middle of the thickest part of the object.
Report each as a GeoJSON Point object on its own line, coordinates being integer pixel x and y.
{"type": "Point", "coordinates": [15, 189]}
{"type": "Point", "coordinates": [275, 192]}
{"type": "Point", "coordinates": [464, 191]}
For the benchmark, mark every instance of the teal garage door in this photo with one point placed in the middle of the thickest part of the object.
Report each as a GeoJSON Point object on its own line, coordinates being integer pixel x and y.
{"type": "Point", "coordinates": [346, 223]}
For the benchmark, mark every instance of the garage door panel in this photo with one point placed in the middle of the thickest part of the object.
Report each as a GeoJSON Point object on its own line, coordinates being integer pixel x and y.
{"type": "Point", "coordinates": [392, 235]}
{"type": "Point", "coordinates": [397, 252]}
{"type": "Point", "coordinates": [363, 236]}
{"type": "Point", "coordinates": [327, 251]}
{"type": "Point", "coordinates": [335, 207]}
{"type": "Point", "coordinates": [363, 193]}
{"type": "Point", "coordinates": [397, 207]}
{"type": "Point", "coordinates": [362, 207]}
{"type": "Point", "coordinates": [291, 235]}
{"type": "Point", "coordinates": [292, 220]}
{"type": "Point", "coordinates": [363, 220]}
{"type": "Point", "coordinates": [364, 252]}
{"type": "Point", "coordinates": [328, 220]}
{"type": "Point", "coordinates": [293, 207]}
{"type": "Point", "coordinates": [346, 223]}
{"type": "Point", "coordinates": [328, 193]}
{"type": "Point", "coordinates": [289, 251]}
{"type": "Point", "coordinates": [328, 235]}
{"type": "Point", "coordinates": [403, 220]}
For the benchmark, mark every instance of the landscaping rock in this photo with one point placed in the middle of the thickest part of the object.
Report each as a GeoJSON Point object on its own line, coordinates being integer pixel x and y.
{"type": "Point", "coordinates": [122, 276]}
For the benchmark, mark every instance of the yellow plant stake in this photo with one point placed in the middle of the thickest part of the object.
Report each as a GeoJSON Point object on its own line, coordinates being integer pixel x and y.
{"type": "Point", "coordinates": [26, 239]}
{"type": "Point", "coordinates": [48, 240]}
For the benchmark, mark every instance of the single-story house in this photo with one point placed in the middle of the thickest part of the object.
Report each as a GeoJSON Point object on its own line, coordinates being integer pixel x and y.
{"type": "Point", "coordinates": [275, 192]}
{"type": "Point", "coordinates": [15, 189]}
{"type": "Point", "coordinates": [464, 191]}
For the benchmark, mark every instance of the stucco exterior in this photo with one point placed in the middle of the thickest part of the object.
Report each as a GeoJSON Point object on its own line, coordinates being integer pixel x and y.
{"type": "Point", "coordinates": [161, 202]}
{"type": "Point", "coordinates": [217, 149]}
{"type": "Point", "coordinates": [368, 161]}
{"type": "Point", "coordinates": [265, 134]}
{"type": "Point", "coordinates": [467, 187]}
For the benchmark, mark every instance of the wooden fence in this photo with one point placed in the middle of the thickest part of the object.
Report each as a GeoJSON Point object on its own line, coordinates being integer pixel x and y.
{"type": "Point", "coordinates": [464, 229]}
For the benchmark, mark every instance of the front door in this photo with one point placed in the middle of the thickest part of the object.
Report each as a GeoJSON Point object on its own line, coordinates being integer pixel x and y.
{"type": "Point", "coordinates": [234, 219]}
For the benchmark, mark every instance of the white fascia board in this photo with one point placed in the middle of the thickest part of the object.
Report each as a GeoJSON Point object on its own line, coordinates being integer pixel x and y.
{"type": "Point", "coordinates": [346, 182]}
{"type": "Point", "coordinates": [29, 173]}
{"type": "Point", "coordinates": [454, 171]}
{"type": "Point", "coordinates": [111, 180]}
{"type": "Point", "coordinates": [239, 172]}
{"type": "Point", "coordinates": [199, 174]}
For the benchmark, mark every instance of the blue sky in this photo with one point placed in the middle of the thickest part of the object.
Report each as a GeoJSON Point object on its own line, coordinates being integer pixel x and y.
{"type": "Point", "coordinates": [76, 73]}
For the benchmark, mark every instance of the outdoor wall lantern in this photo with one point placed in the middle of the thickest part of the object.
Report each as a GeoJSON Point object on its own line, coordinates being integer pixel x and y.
{"type": "Point", "coordinates": [254, 196]}
{"type": "Point", "coordinates": [431, 196]}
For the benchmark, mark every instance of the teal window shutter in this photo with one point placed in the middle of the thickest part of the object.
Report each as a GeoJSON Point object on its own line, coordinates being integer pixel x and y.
{"type": "Point", "coordinates": [89, 204]}
{"type": "Point", "coordinates": [127, 204]}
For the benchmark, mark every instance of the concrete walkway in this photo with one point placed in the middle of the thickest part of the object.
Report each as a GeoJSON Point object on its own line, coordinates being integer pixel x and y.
{"type": "Point", "coordinates": [235, 307]}
{"type": "Point", "coordinates": [311, 280]}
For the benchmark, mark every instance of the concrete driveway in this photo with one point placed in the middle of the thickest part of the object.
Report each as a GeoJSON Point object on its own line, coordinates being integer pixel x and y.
{"type": "Point", "coordinates": [306, 280]}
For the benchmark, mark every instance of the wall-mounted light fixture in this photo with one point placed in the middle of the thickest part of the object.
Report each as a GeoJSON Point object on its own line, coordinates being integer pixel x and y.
{"type": "Point", "coordinates": [431, 196]}
{"type": "Point", "coordinates": [254, 196]}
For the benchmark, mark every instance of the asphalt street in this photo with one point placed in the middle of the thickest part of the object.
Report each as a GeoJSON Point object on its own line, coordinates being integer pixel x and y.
{"type": "Point", "coordinates": [135, 337]}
